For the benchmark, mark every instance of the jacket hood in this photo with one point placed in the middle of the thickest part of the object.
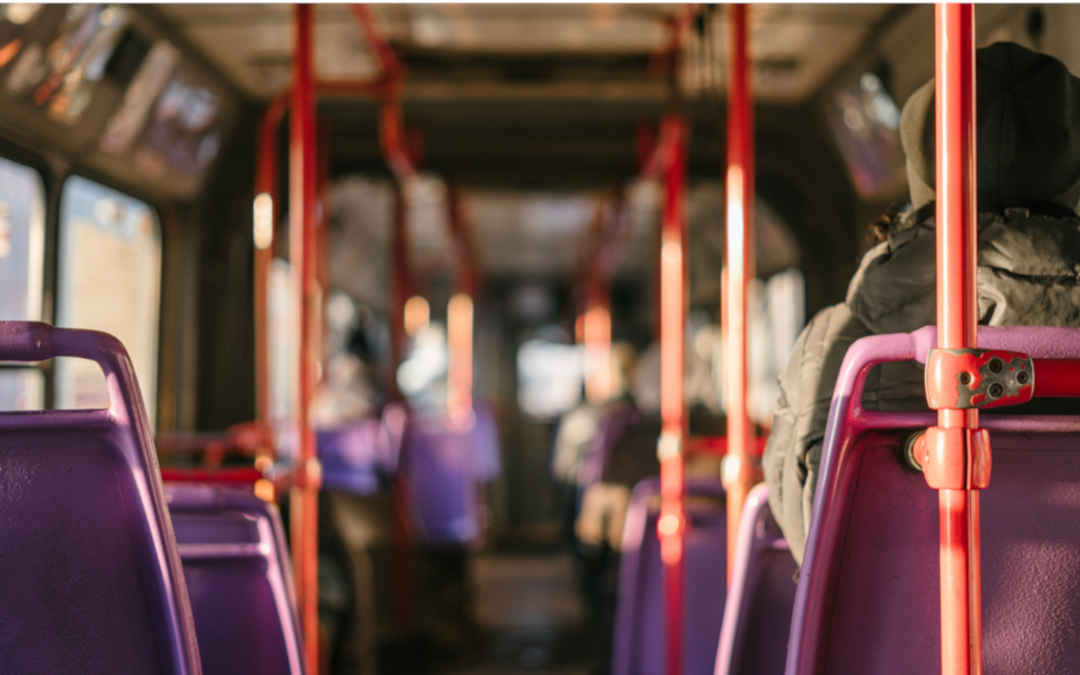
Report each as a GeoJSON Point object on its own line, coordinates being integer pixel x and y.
{"type": "Point", "coordinates": [1028, 126]}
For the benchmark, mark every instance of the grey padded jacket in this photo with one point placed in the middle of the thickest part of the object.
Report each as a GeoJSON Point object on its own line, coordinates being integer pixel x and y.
{"type": "Point", "coordinates": [1028, 274]}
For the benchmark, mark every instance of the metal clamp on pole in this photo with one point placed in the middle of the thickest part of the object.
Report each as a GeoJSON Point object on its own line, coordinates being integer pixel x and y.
{"type": "Point", "coordinates": [958, 458]}
{"type": "Point", "coordinates": [954, 458]}
{"type": "Point", "coordinates": [978, 378]}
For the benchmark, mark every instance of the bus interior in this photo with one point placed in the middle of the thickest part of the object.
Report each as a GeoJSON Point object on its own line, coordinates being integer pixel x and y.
{"type": "Point", "coordinates": [426, 318]}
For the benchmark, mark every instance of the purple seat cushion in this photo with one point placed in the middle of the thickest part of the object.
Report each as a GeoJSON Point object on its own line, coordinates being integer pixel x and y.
{"type": "Point", "coordinates": [639, 625]}
{"type": "Point", "coordinates": [886, 582]}
{"type": "Point", "coordinates": [237, 569]}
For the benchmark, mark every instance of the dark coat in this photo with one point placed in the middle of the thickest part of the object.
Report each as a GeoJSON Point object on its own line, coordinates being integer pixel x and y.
{"type": "Point", "coordinates": [1028, 274]}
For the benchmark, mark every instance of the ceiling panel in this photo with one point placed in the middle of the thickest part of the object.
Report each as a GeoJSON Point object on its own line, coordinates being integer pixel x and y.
{"type": "Point", "coordinates": [794, 46]}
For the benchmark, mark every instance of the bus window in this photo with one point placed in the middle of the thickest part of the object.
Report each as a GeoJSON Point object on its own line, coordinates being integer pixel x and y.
{"type": "Point", "coordinates": [22, 237]}
{"type": "Point", "coordinates": [22, 241]}
{"type": "Point", "coordinates": [109, 280]}
{"type": "Point", "coordinates": [22, 389]}
{"type": "Point", "coordinates": [284, 341]}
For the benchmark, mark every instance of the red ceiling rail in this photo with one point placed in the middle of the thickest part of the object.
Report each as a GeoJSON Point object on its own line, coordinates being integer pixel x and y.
{"type": "Point", "coordinates": [962, 466]}
{"type": "Point", "coordinates": [468, 264]}
{"type": "Point", "coordinates": [597, 268]}
{"type": "Point", "coordinates": [739, 474]}
{"type": "Point", "coordinates": [303, 204]}
{"type": "Point", "coordinates": [390, 66]}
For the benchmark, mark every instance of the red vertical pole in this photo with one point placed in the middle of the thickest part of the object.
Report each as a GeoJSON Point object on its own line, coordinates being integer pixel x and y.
{"type": "Point", "coordinates": [671, 525]}
{"type": "Point", "coordinates": [961, 648]}
{"type": "Point", "coordinates": [400, 281]}
{"type": "Point", "coordinates": [459, 317]}
{"type": "Point", "coordinates": [264, 225]}
{"type": "Point", "coordinates": [302, 203]}
{"type": "Point", "coordinates": [738, 473]}
{"type": "Point", "coordinates": [596, 326]}
{"type": "Point", "coordinates": [322, 243]}
{"type": "Point", "coordinates": [401, 288]}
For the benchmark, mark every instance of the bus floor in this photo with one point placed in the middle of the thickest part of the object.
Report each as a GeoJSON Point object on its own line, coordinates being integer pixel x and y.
{"type": "Point", "coordinates": [528, 617]}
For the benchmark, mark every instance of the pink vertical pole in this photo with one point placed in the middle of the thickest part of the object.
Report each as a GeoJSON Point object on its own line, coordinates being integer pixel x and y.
{"type": "Point", "coordinates": [672, 523]}
{"type": "Point", "coordinates": [738, 469]}
{"type": "Point", "coordinates": [302, 198]}
{"type": "Point", "coordinates": [961, 642]}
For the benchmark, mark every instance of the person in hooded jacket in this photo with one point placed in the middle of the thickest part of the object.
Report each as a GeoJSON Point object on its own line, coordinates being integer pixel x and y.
{"type": "Point", "coordinates": [1028, 164]}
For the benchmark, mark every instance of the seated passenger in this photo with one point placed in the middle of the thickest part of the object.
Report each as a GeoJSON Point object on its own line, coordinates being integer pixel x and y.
{"type": "Point", "coordinates": [1028, 126]}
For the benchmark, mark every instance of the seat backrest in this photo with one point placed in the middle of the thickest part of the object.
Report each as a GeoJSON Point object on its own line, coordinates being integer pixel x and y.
{"type": "Point", "coordinates": [868, 595]}
{"type": "Point", "coordinates": [609, 429]}
{"type": "Point", "coordinates": [439, 469]}
{"type": "Point", "coordinates": [484, 439]}
{"type": "Point", "coordinates": [351, 456]}
{"type": "Point", "coordinates": [238, 574]}
{"type": "Point", "coordinates": [757, 615]}
{"type": "Point", "coordinates": [92, 581]}
{"type": "Point", "coordinates": [639, 620]}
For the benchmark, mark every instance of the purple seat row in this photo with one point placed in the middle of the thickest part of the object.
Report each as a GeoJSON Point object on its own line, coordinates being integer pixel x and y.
{"type": "Point", "coordinates": [867, 596]}
{"type": "Point", "coordinates": [94, 579]}
{"type": "Point", "coordinates": [239, 579]}
{"type": "Point", "coordinates": [442, 465]}
{"type": "Point", "coordinates": [639, 620]}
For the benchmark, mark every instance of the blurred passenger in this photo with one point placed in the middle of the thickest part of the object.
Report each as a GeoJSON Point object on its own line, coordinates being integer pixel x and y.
{"type": "Point", "coordinates": [584, 435]}
{"type": "Point", "coordinates": [628, 455]}
{"type": "Point", "coordinates": [1028, 127]}
{"type": "Point", "coordinates": [357, 514]}
{"type": "Point", "coordinates": [583, 446]}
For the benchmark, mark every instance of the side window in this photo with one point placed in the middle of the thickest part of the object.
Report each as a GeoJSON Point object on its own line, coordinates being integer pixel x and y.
{"type": "Point", "coordinates": [109, 279]}
{"type": "Point", "coordinates": [22, 247]}
{"type": "Point", "coordinates": [281, 310]}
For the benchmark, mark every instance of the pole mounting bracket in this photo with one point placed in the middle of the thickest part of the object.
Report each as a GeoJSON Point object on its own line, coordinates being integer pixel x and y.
{"type": "Point", "coordinates": [962, 379]}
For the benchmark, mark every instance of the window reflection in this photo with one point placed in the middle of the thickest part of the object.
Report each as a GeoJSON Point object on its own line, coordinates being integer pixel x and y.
{"type": "Point", "coordinates": [22, 234]}
{"type": "Point", "coordinates": [109, 280]}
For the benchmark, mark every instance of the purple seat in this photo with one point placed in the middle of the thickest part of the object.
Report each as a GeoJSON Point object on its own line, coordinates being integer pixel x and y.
{"type": "Point", "coordinates": [237, 567]}
{"type": "Point", "coordinates": [867, 600]}
{"type": "Point", "coordinates": [639, 619]}
{"type": "Point", "coordinates": [440, 483]}
{"type": "Point", "coordinates": [352, 456]}
{"type": "Point", "coordinates": [484, 442]}
{"type": "Point", "coordinates": [753, 639]}
{"type": "Point", "coordinates": [91, 578]}
{"type": "Point", "coordinates": [444, 466]}
{"type": "Point", "coordinates": [609, 429]}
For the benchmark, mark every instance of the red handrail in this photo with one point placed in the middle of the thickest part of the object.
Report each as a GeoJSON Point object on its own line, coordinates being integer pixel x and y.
{"type": "Point", "coordinates": [959, 549]}
{"type": "Point", "coordinates": [739, 464]}
{"type": "Point", "coordinates": [304, 515]}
